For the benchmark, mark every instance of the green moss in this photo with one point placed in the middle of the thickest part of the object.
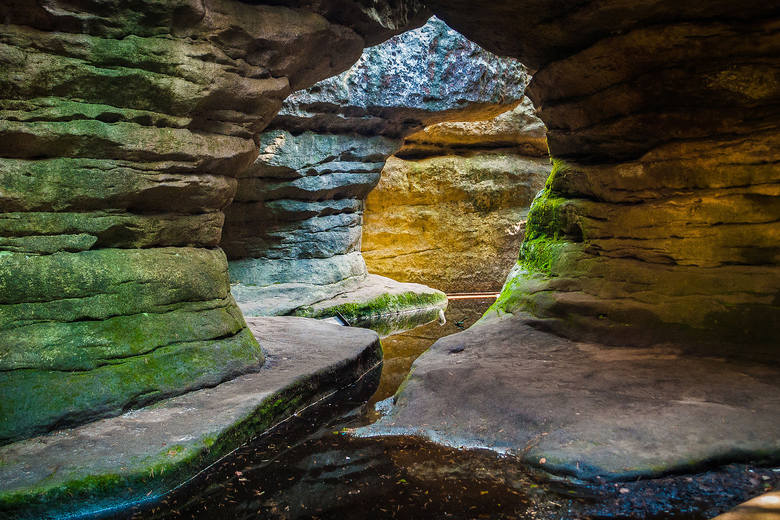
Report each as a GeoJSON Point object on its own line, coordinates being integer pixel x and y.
{"type": "Point", "coordinates": [81, 488]}
{"type": "Point", "coordinates": [552, 227]}
{"type": "Point", "coordinates": [386, 313]}
{"type": "Point", "coordinates": [36, 399]}
{"type": "Point", "coordinates": [384, 304]}
{"type": "Point", "coordinates": [541, 254]}
{"type": "Point", "coordinates": [550, 215]}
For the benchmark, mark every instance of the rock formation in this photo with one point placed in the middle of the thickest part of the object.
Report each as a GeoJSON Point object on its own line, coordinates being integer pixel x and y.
{"type": "Point", "coordinates": [661, 220]}
{"type": "Point", "coordinates": [450, 208]}
{"type": "Point", "coordinates": [122, 130]}
{"type": "Point", "coordinates": [657, 232]}
{"type": "Point", "coordinates": [293, 231]}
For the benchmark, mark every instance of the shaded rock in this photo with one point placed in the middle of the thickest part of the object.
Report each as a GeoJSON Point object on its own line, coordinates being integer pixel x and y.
{"type": "Point", "coordinates": [143, 454]}
{"type": "Point", "coordinates": [450, 208]}
{"type": "Point", "coordinates": [122, 131]}
{"type": "Point", "coordinates": [661, 225]}
{"type": "Point", "coordinates": [298, 212]}
{"type": "Point", "coordinates": [580, 409]}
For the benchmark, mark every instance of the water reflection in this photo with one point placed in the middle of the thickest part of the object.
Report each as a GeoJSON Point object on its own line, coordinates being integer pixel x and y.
{"type": "Point", "coordinates": [401, 349]}
{"type": "Point", "coordinates": [327, 474]}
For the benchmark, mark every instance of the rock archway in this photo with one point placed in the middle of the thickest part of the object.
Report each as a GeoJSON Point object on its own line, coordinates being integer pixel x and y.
{"type": "Point", "coordinates": [123, 128]}
{"type": "Point", "coordinates": [293, 231]}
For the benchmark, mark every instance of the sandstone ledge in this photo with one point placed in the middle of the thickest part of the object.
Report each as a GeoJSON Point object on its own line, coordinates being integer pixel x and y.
{"type": "Point", "coordinates": [584, 411]}
{"type": "Point", "coordinates": [382, 304]}
{"type": "Point", "coordinates": [143, 454]}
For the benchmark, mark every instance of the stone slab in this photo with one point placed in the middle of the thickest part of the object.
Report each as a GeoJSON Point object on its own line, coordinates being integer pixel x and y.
{"type": "Point", "coordinates": [587, 411]}
{"type": "Point", "coordinates": [382, 304]}
{"type": "Point", "coordinates": [143, 454]}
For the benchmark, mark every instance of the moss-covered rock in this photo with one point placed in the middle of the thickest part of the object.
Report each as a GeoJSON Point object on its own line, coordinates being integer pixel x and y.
{"type": "Point", "coordinates": [122, 131]}
{"type": "Point", "coordinates": [382, 304]}
{"type": "Point", "coordinates": [142, 455]}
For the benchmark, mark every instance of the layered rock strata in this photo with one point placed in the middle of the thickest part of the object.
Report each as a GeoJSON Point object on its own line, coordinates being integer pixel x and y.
{"type": "Point", "coordinates": [657, 229]}
{"type": "Point", "coordinates": [450, 208]}
{"type": "Point", "coordinates": [142, 455]}
{"type": "Point", "coordinates": [122, 130]}
{"type": "Point", "coordinates": [660, 222]}
{"type": "Point", "coordinates": [293, 232]}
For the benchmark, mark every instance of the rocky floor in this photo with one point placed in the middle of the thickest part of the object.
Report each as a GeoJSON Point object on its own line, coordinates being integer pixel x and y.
{"type": "Point", "coordinates": [584, 411]}
{"type": "Point", "coordinates": [143, 454]}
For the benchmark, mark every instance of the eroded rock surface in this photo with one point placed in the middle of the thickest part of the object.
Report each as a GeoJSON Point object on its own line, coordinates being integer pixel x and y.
{"type": "Point", "coordinates": [450, 208]}
{"type": "Point", "coordinates": [122, 129]}
{"type": "Point", "coordinates": [143, 454]}
{"type": "Point", "coordinates": [662, 222]}
{"type": "Point", "coordinates": [584, 410]}
{"type": "Point", "coordinates": [293, 233]}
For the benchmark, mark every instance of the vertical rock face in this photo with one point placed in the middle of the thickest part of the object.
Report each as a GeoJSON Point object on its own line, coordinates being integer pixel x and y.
{"type": "Point", "coordinates": [660, 222]}
{"type": "Point", "coordinates": [450, 208]}
{"type": "Point", "coordinates": [293, 231]}
{"type": "Point", "coordinates": [122, 130]}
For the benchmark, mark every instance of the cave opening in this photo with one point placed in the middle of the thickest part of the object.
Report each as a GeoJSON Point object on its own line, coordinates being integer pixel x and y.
{"type": "Point", "coordinates": [628, 368]}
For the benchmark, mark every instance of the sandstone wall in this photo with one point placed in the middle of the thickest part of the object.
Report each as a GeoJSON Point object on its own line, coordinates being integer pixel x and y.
{"type": "Point", "coordinates": [123, 127]}
{"type": "Point", "coordinates": [450, 208]}
{"type": "Point", "coordinates": [293, 232]}
{"type": "Point", "coordinates": [661, 221]}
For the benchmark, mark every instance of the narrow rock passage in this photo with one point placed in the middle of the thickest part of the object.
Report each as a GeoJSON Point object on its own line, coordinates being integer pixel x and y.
{"type": "Point", "coordinates": [331, 474]}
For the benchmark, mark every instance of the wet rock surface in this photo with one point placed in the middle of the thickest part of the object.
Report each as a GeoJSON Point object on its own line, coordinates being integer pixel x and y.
{"type": "Point", "coordinates": [382, 304]}
{"type": "Point", "coordinates": [304, 471]}
{"type": "Point", "coordinates": [143, 454]}
{"type": "Point", "coordinates": [587, 411]}
{"type": "Point", "coordinates": [450, 208]}
{"type": "Point", "coordinates": [295, 225]}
